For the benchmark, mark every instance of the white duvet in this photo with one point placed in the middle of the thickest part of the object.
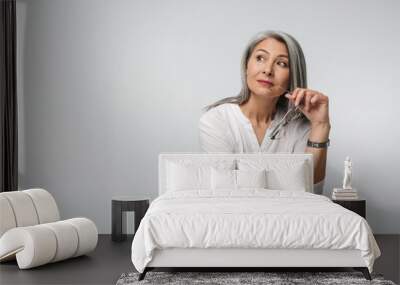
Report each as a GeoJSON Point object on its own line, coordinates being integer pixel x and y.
{"type": "Point", "coordinates": [251, 218]}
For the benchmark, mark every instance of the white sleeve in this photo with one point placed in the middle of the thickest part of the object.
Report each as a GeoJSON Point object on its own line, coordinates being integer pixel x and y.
{"type": "Point", "coordinates": [214, 133]}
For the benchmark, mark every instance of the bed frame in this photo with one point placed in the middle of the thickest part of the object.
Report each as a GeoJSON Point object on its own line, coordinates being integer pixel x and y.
{"type": "Point", "coordinates": [248, 259]}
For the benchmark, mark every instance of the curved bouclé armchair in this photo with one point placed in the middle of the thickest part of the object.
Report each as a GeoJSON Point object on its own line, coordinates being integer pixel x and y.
{"type": "Point", "coordinates": [31, 230]}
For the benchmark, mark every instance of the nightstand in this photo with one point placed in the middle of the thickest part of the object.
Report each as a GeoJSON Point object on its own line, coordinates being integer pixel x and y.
{"type": "Point", "coordinates": [357, 206]}
{"type": "Point", "coordinates": [122, 204]}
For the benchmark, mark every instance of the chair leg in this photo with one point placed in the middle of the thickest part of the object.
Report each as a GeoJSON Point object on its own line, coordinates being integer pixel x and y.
{"type": "Point", "coordinates": [143, 274]}
{"type": "Point", "coordinates": [364, 271]}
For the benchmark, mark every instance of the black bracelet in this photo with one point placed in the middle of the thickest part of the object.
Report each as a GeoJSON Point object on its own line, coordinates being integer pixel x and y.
{"type": "Point", "coordinates": [318, 145]}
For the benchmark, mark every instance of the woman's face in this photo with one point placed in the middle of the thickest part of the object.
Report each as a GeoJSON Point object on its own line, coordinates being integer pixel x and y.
{"type": "Point", "coordinates": [268, 69]}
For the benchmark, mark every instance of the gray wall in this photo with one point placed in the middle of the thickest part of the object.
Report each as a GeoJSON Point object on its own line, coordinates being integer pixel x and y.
{"type": "Point", "coordinates": [105, 86]}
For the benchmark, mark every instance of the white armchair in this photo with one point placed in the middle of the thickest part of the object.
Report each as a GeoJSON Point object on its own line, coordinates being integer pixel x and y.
{"type": "Point", "coordinates": [31, 230]}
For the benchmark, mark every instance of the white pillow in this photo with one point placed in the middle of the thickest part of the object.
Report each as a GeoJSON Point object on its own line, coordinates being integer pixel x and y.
{"type": "Point", "coordinates": [237, 179]}
{"type": "Point", "coordinates": [292, 178]}
{"type": "Point", "coordinates": [185, 177]}
{"type": "Point", "coordinates": [189, 174]}
{"type": "Point", "coordinates": [281, 174]}
{"type": "Point", "coordinates": [223, 179]}
{"type": "Point", "coordinates": [251, 178]}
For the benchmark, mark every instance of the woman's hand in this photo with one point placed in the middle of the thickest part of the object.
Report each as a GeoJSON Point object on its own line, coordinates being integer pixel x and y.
{"type": "Point", "coordinates": [313, 104]}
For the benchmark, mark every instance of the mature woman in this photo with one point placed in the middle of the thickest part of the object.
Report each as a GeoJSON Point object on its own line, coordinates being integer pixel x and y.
{"type": "Point", "coordinates": [274, 79]}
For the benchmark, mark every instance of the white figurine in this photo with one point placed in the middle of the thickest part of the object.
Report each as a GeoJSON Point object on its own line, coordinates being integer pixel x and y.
{"type": "Point", "coordinates": [347, 173]}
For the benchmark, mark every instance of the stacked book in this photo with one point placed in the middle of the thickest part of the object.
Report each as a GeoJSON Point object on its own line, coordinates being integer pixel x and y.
{"type": "Point", "coordinates": [344, 194]}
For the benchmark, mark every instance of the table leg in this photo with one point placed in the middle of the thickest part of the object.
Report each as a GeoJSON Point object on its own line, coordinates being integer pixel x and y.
{"type": "Point", "coordinates": [140, 211]}
{"type": "Point", "coordinates": [116, 216]}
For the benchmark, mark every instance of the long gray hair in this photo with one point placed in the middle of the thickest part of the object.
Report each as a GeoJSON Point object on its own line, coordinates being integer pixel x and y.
{"type": "Point", "coordinates": [297, 67]}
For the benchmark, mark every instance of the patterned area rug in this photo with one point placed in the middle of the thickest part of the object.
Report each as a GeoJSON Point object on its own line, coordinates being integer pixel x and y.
{"type": "Point", "coordinates": [275, 278]}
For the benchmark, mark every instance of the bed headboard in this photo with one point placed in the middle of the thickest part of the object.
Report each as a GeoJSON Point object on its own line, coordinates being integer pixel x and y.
{"type": "Point", "coordinates": [163, 158]}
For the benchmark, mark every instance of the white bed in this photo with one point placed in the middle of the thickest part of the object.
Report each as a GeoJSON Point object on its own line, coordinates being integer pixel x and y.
{"type": "Point", "coordinates": [199, 226]}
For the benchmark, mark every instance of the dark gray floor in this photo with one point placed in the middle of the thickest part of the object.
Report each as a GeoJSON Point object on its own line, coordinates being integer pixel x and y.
{"type": "Point", "coordinates": [110, 260]}
{"type": "Point", "coordinates": [102, 266]}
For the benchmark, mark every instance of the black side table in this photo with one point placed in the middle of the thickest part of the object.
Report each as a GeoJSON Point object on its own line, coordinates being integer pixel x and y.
{"type": "Point", "coordinates": [122, 204]}
{"type": "Point", "coordinates": [357, 206]}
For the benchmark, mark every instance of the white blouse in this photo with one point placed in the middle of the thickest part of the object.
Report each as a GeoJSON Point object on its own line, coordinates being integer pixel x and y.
{"type": "Point", "coordinates": [226, 129]}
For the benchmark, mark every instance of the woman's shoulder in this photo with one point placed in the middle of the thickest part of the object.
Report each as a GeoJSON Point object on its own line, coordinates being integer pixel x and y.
{"type": "Point", "coordinates": [219, 112]}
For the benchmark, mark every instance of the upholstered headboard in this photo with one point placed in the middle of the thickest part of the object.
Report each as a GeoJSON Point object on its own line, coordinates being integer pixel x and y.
{"type": "Point", "coordinates": [212, 158]}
